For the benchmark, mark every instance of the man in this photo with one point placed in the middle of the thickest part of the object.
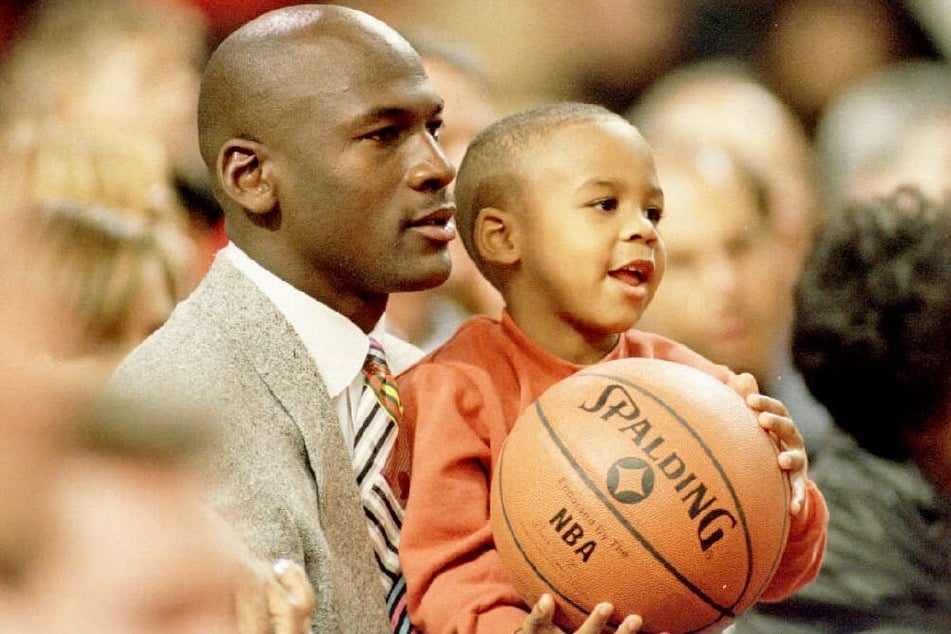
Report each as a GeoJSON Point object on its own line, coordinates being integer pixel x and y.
{"type": "Point", "coordinates": [428, 318]}
{"type": "Point", "coordinates": [725, 292]}
{"type": "Point", "coordinates": [319, 128]}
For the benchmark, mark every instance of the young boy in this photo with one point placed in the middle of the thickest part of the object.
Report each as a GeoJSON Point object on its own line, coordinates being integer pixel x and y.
{"type": "Point", "coordinates": [559, 209]}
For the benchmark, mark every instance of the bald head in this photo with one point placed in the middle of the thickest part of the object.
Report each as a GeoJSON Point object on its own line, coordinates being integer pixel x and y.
{"type": "Point", "coordinates": [262, 71]}
{"type": "Point", "coordinates": [314, 119]}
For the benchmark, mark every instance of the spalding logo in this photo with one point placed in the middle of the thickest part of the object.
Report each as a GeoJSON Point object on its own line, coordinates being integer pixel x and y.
{"type": "Point", "coordinates": [636, 474]}
{"type": "Point", "coordinates": [617, 406]}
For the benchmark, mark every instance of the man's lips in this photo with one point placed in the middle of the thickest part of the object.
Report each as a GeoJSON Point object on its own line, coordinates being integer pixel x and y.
{"type": "Point", "coordinates": [634, 273]}
{"type": "Point", "coordinates": [438, 224]}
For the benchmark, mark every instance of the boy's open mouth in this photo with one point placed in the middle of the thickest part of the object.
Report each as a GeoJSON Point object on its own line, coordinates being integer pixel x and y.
{"type": "Point", "coordinates": [634, 273]}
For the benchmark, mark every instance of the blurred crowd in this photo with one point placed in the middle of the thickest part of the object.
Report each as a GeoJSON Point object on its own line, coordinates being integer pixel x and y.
{"type": "Point", "coordinates": [771, 121]}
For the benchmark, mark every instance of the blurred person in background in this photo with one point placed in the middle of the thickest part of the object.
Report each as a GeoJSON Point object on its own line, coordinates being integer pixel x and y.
{"type": "Point", "coordinates": [130, 66]}
{"type": "Point", "coordinates": [893, 127]}
{"type": "Point", "coordinates": [135, 549]}
{"type": "Point", "coordinates": [724, 292]}
{"type": "Point", "coordinates": [609, 51]}
{"type": "Point", "coordinates": [721, 101]}
{"type": "Point", "coordinates": [118, 273]}
{"type": "Point", "coordinates": [872, 338]}
{"type": "Point", "coordinates": [39, 400]}
{"type": "Point", "coordinates": [94, 257]}
{"type": "Point", "coordinates": [922, 157]}
{"type": "Point", "coordinates": [427, 318]}
{"type": "Point", "coordinates": [65, 319]}
{"type": "Point", "coordinates": [859, 37]}
{"type": "Point", "coordinates": [113, 243]}
{"type": "Point", "coordinates": [761, 185]}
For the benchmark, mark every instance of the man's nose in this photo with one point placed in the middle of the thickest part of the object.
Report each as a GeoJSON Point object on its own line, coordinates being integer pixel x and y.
{"type": "Point", "coordinates": [432, 171]}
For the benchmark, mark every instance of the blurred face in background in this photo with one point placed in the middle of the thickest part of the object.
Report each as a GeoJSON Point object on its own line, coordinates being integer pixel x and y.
{"type": "Point", "coordinates": [724, 293]}
{"type": "Point", "coordinates": [135, 551]}
{"type": "Point", "coordinates": [467, 109]}
{"type": "Point", "coordinates": [38, 402]}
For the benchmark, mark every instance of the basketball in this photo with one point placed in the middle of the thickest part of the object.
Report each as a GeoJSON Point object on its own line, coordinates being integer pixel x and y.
{"type": "Point", "coordinates": [645, 483]}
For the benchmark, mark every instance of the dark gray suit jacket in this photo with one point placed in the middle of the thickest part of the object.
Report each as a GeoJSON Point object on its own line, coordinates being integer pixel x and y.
{"type": "Point", "coordinates": [283, 474]}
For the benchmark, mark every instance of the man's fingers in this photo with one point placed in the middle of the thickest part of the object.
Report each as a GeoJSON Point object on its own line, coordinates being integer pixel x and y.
{"type": "Point", "coordinates": [290, 599]}
{"type": "Point", "coordinates": [293, 579]}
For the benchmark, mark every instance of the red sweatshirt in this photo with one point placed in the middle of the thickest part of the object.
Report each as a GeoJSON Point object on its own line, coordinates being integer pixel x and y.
{"type": "Point", "coordinates": [460, 402]}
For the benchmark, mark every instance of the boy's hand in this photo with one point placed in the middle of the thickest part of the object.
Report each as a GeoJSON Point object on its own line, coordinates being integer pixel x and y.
{"type": "Point", "coordinates": [743, 384]}
{"type": "Point", "coordinates": [773, 416]}
{"type": "Point", "coordinates": [539, 621]}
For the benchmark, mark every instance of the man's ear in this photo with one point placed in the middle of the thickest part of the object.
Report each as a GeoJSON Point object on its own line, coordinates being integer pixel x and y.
{"type": "Point", "coordinates": [245, 175]}
{"type": "Point", "coordinates": [496, 236]}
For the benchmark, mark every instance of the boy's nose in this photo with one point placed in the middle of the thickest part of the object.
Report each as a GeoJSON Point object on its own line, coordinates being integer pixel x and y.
{"type": "Point", "coordinates": [639, 227]}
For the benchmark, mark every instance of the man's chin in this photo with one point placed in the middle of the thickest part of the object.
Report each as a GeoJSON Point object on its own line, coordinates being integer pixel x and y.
{"type": "Point", "coordinates": [424, 284]}
{"type": "Point", "coordinates": [426, 278]}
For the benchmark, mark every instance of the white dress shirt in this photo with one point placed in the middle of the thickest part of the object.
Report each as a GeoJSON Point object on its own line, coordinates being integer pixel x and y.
{"type": "Point", "coordinates": [335, 343]}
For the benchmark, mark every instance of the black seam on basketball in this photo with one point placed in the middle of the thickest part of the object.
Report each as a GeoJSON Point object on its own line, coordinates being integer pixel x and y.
{"type": "Point", "coordinates": [716, 464]}
{"type": "Point", "coordinates": [700, 594]}
{"type": "Point", "coordinates": [514, 535]}
{"type": "Point", "coordinates": [787, 496]}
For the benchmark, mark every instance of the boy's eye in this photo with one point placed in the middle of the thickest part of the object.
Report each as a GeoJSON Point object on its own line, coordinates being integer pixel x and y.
{"type": "Point", "coordinates": [606, 204]}
{"type": "Point", "coordinates": [654, 214]}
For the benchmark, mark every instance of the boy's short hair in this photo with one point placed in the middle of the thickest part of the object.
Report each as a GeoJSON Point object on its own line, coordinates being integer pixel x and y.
{"type": "Point", "coordinates": [490, 175]}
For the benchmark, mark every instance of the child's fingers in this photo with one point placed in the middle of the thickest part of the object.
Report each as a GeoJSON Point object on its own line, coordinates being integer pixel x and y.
{"type": "Point", "coordinates": [763, 403]}
{"type": "Point", "coordinates": [798, 500]}
{"type": "Point", "coordinates": [597, 620]}
{"type": "Point", "coordinates": [744, 384]}
{"type": "Point", "coordinates": [792, 460]}
{"type": "Point", "coordinates": [539, 619]}
{"type": "Point", "coordinates": [632, 624]}
{"type": "Point", "coordinates": [783, 428]}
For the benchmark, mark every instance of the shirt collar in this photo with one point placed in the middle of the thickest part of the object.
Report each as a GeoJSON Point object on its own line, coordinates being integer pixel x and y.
{"type": "Point", "coordinates": [336, 344]}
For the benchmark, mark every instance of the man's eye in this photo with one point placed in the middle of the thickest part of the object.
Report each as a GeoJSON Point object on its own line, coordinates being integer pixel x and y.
{"type": "Point", "coordinates": [435, 128]}
{"type": "Point", "coordinates": [386, 134]}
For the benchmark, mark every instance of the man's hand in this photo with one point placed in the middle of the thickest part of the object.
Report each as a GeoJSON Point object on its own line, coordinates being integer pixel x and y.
{"type": "Point", "coordinates": [290, 598]}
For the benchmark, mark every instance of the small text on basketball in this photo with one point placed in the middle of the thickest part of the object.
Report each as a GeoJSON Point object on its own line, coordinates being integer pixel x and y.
{"type": "Point", "coordinates": [572, 534]}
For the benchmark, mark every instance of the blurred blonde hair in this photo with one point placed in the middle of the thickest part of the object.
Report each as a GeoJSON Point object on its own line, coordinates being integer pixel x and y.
{"type": "Point", "coordinates": [101, 207]}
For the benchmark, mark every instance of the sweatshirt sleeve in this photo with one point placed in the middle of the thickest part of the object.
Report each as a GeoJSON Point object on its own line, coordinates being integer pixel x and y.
{"type": "Point", "coordinates": [805, 546]}
{"type": "Point", "coordinates": [455, 579]}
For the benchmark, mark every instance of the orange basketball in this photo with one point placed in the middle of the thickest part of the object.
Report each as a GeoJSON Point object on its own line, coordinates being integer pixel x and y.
{"type": "Point", "coordinates": [645, 483]}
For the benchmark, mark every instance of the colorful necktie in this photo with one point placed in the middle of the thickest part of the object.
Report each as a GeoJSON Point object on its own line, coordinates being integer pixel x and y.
{"type": "Point", "coordinates": [378, 416]}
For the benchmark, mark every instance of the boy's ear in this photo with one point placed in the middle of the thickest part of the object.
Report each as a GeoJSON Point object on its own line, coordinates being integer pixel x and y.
{"type": "Point", "coordinates": [496, 236]}
{"type": "Point", "coordinates": [244, 174]}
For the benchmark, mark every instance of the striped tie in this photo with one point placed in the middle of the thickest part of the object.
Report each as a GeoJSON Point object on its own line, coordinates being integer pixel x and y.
{"type": "Point", "coordinates": [378, 414]}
